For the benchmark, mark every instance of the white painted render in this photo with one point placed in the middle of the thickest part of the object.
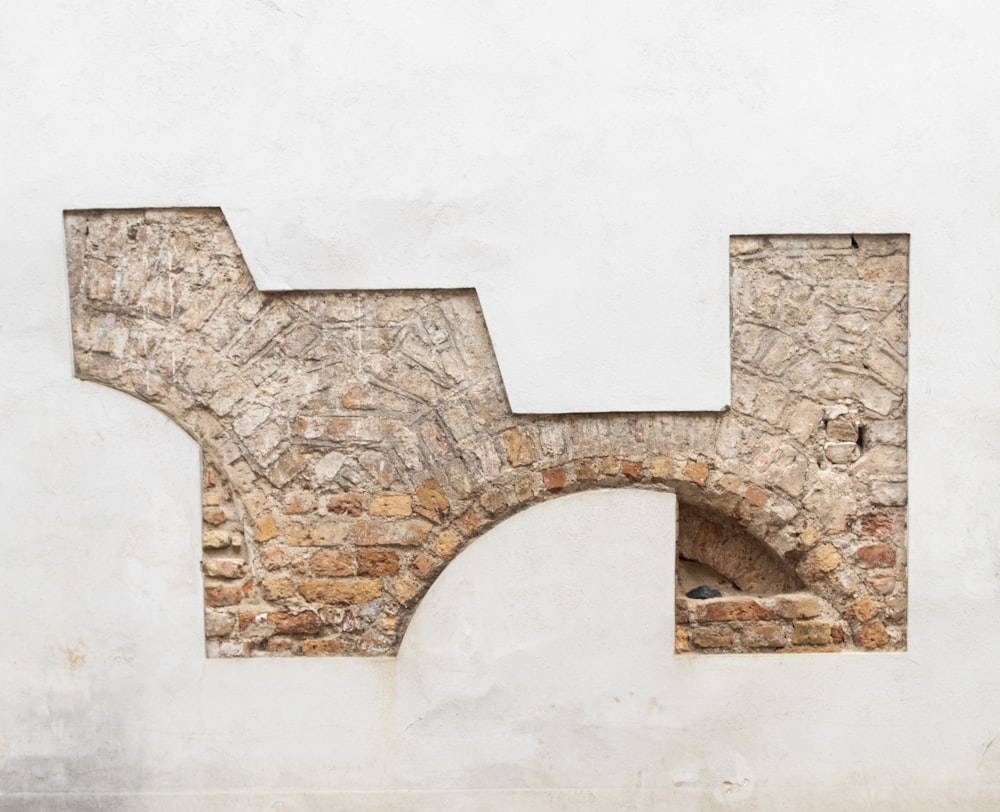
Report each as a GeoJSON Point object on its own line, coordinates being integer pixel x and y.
{"type": "Point", "coordinates": [582, 165]}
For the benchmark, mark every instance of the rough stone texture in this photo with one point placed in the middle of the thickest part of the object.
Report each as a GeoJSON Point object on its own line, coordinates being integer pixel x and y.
{"type": "Point", "coordinates": [354, 442]}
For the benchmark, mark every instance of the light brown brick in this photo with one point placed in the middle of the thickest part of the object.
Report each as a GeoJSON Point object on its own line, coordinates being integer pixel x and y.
{"type": "Point", "coordinates": [554, 479]}
{"type": "Point", "coordinates": [696, 472]}
{"type": "Point", "coordinates": [377, 562]}
{"type": "Point", "coordinates": [811, 633]}
{"type": "Point", "coordinates": [712, 636]}
{"type": "Point", "coordinates": [265, 529]}
{"type": "Point", "coordinates": [391, 505]}
{"type": "Point", "coordinates": [446, 543]}
{"type": "Point", "coordinates": [348, 591]}
{"type": "Point", "coordinates": [519, 449]}
{"type": "Point", "coordinates": [332, 563]}
{"type": "Point", "coordinates": [321, 648]}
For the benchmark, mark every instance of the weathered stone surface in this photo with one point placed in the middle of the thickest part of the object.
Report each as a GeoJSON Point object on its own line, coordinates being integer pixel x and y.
{"type": "Point", "coordinates": [377, 562]}
{"type": "Point", "coordinates": [873, 635]}
{"type": "Point", "coordinates": [215, 539]}
{"type": "Point", "coordinates": [876, 555]}
{"type": "Point", "coordinates": [332, 563]}
{"type": "Point", "coordinates": [712, 637]}
{"type": "Point", "coordinates": [819, 562]}
{"type": "Point", "coordinates": [348, 591]}
{"type": "Point", "coordinates": [352, 470]}
{"type": "Point", "coordinates": [795, 607]}
{"type": "Point", "coordinates": [295, 622]}
{"type": "Point", "coordinates": [223, 568]}
{"type": "Point", "coordinates": [864, 609]}
{"type": "Point", "coordinates": [765, 636]}
{"type": "Point", "coordinates": [811, 633]}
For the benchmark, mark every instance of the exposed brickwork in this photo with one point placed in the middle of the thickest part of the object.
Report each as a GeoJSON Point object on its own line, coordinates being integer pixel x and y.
{"type": "Point", "coordinates": [354, 442]}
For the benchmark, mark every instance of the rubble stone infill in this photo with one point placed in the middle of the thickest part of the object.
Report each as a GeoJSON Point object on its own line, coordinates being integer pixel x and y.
{"type": "Point", "coordinates": [354, 442]}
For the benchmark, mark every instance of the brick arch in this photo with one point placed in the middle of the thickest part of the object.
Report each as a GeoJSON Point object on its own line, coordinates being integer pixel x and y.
{"type": "Point", "coordinates": [353, 442]}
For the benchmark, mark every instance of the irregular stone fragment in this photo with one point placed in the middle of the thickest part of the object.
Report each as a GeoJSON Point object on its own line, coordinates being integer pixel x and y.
{"type": "Point", "coordinates": [519, 450]}
{"type": "Point", "coordinates": [215, 539]}
{"type": "Point", "coordinates": [703, 592]}
{"type": "Point", "coordinates": [873, 635]}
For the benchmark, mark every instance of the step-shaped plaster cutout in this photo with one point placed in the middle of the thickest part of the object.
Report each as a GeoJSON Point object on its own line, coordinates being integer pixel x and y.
{"type": "Point", "coordinates": [355, 441]}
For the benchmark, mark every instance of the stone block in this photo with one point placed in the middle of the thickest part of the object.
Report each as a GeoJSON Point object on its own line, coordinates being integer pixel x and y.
{"type": "Point", "coordinates": [797, 607]}
{"type": "Point", "coordinates": [712, 636]}
{"type": "Point", "coordinates": [344, 591]}
{"type": "Point", "coordinates": [391, 504]}
{"type": "Point", "coordinates": [811, 633]}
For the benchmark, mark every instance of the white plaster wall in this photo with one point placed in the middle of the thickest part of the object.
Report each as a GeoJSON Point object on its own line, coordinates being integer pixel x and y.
{"type": "Point", "coordinates": [582, 167]}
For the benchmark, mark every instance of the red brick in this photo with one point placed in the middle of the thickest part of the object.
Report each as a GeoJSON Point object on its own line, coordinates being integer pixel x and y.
{"type": "Point", "coordinates": [876, 555]}
{"type": "Point", "coordinates": [755, 496]}
{"type": "Point", "coordinates": [632, 470]}
{"type": "Point", "coordinates": [344, 591]}
{"type": "Point", "coordinates": [391, 534]}
{"type": "Point", "coordinates": [265, 529]}
{"type": "Point", "coordinates": [295, 622]}
{"type": "Point", "coordinates": [723, 609]}
{"type": "Point", "coordinates": [554, 479]}
{"type": "Point", "coordinates": [811, 633]}
{"type": "Point", "coordinates": [377, 562]}
{"type": "Point", "coordinates": [876, 525]}
{"type": "Point", "coordinates": [712, 637]}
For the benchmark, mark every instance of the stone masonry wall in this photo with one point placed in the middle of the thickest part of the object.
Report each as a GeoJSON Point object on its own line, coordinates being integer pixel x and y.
{"type": "Point", "coordinates": [354, 442]}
